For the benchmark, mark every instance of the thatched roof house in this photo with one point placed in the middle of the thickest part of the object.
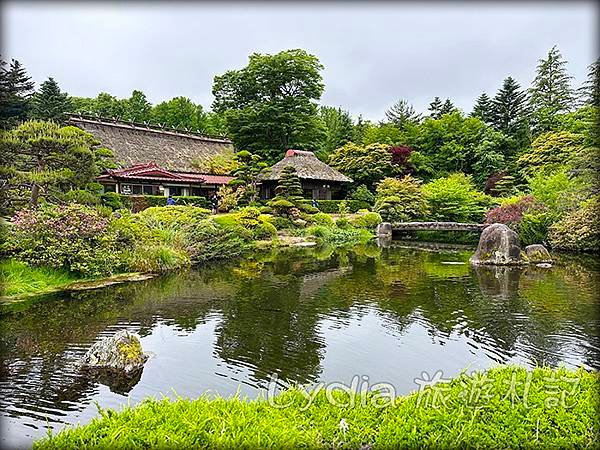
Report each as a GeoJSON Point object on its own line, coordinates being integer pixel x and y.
{"type": "Point", "coordinates": [319, 181]}
{"type": "Point", "coordinates": [153, 160]}
{"type": "Point", "coordinates": [135, 144]}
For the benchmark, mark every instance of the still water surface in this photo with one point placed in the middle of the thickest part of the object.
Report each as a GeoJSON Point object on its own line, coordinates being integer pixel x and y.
{"type": "Point", "coordinates": [306, 315]}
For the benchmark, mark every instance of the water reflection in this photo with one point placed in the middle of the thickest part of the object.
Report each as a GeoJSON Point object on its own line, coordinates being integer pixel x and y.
{"type": "Point", "coordinates": [307, 315]}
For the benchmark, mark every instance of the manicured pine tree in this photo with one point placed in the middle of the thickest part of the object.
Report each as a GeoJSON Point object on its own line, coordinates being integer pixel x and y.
{"type": "Point", "coordinates": [16, 89]}
{"type": "Point", "coordinates": [483, 108]}
{"type": "Point", "coordinates": [49, 103]}
{"type": "Point", "coordinates": [435, 108]}
{"type": "Point", "coordinates": [402, 113]}
{"type": "Point", "coordinates": [289, 186]}
{"type": "Point", "coordinates": [447, 107]}
{"type": "Point", "coordinates": [550, 93]}
{"type": "Point", "coordinates": [509, 110]}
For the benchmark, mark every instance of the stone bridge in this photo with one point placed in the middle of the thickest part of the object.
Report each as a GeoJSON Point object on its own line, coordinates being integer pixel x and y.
{"type": "Point", "coordinates": [438, 226]}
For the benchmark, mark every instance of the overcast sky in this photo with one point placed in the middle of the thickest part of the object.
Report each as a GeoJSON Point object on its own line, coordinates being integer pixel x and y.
{"type": "Point", "coordinates": [373, 53]}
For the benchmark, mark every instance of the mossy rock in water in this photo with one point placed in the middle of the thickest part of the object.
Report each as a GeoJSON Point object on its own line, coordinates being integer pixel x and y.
{"type": "Point", "coordinates": [499, 245]}
{"type": "Point", "coordinates": [537, 253]}
{"type": "Point", "coordinates": [121, 353]}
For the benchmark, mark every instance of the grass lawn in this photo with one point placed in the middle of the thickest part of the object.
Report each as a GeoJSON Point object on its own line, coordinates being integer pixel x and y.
{"type": "Point", "coordinates": [505, 407]}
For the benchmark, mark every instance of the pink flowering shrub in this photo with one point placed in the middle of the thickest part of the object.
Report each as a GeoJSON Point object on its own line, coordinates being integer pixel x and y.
{"type": "Point", "coordinates": [72, 237]}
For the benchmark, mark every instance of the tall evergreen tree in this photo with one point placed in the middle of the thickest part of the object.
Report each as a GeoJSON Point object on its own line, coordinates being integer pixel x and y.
{"type": "Point", "coordinates": [435, 108]}
{"type": "Point", "coordinates": [509, 110]}
{"type": "Point", "coordinates": [402, 113]}
{"type": "Point", "coordinates": [550, 93]}
{"type": "Point", "coordinates": [483, 108]}
{"type": "Point", "coordinates": [589, 93]}
{"type": "Point", "coordinates": [447, 107]}
{"type": "Point", "coordinates": [49, 103]}
{"type": "Point", "coordinates": [16, 89]}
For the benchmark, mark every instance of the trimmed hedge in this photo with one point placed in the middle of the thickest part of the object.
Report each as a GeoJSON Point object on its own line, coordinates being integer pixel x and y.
{"type": "Point", "coordinates": [137, 203]}
{"type": "Point", "coordinates": [333, 206]}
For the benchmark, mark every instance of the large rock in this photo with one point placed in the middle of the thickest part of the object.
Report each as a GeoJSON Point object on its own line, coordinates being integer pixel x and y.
{"type": "Point", "coordinates": [121, 353]}
{"type": "Point", "coordinates": [384, 229]}
{"type": "Point", "coordinates": [537, 253]}
{"type": "Point", "coordinates": [498, 245]}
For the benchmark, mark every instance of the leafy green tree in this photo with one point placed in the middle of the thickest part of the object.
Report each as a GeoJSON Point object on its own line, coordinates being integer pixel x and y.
{"type": "Point", "coordinates": [360, 128]}
{"type": "Point", "coordinates": [550, 151]}
{"type": "Point", "coordinates": [180, 112]}
{"type": "Point", "coordinates": [271, 103]}
{"type": "Point", "coordinates": [49, 103]}
{"type": "Point", "coordinates": [383, 133]}
{"type": "Point", "coordinates": [338, 128]}
{"type": "Point", "coordinates": [364, 164]}
{"type": "Point", "coordinates": [16, 88]}
{"type": "Point", "coordinates": [49, 160]}
{"type": "Point", "coordinates": [509, 113]}
{"type": "Point", "coordinates": [250, 168]}
{"type": "Point", "coordinates": [137, 108]}
{"type": "Point", "coordinates": [550, 93]}
{"type": "Point", "coordinates": [435, 108]}
{"type": "Point", "coordinates": [447, 107]}
{"type": "Point", "coordinates": [483, 108]}
{"type": "Point", "coordinates": [445, 145]}
{"type": "Point", "coordinates": [402, 113]}
{"type": "Point", "coordinates": [401, 199]}
{"type": "Point", "coordinates": [455, 198]}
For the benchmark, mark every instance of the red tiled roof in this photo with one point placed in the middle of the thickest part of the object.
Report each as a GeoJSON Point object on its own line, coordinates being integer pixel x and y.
{"type": "Point", "coordinates": [152, 171]}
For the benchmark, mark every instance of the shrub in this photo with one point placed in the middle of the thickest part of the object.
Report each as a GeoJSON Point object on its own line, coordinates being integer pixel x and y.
{"type": "Point", "coordinates": [228, 198]}
{"type": "Point", "coordinates": [248, 217]}
{"type": "Point", "coordinates": [172, 215]}
{"type": "Point", "coordinates": [454, 198]}
{"type": "Point", "coordinates": [557, 191]}
{"type": "Point", "coordinates": [363, 194]}
{"type": "Point", "coordinates": [322, 219]}
{"type": "Point", "coordinates": [339, 236]}
{"type": "Point", "coordinates": [281, 223]}
{"type": "Point", "coordinates": [534, 227]}
{"type": "Point", "coordinates": [400, 199]}
{"type": "Point", "coordinates": [209, 241]}
{"type": "Point", "coordinates": [333, 206]}
{"type": "Point", "coordinates": [308, 209]}
{"type": "Point", "coordinates": [82, 196]}
{"type": "Point", "coordinates": [265, 230]}
{"type": "Point", "coordinates": [115, 201]}
{"type": "Point", "coordinates": [343, 223]}
{"type": "Point", "coordinates": [579, 229]}
{"type": "Point", "coordinates": [157, 258]}
{"type": "Point", "coordinates": [368, 220]}
{"type": "Point", "coordinates": [511, 211]}
{"type": "Point", "coordinates": [72, 237]}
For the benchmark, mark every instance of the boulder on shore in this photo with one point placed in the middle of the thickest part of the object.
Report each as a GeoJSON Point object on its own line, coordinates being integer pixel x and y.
{"type": "Point", "coordinates": [120, 353]}
{"type": "Point", "coordinates": [498, 245]}
{"type": "Point", "coordinates": [537, 253]}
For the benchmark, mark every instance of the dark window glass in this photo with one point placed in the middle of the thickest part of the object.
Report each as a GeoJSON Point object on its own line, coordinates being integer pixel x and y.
{"type": "Point", "coordinates": [110, 188]}
{"type": "Point", "coordinates": [137, 189]}
{"type": "Point", "coordinates": [175, 190]}
{"type": "Point", "coordinates": [150, 190]}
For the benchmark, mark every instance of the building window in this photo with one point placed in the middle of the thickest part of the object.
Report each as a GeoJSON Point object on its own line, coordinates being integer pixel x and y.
{"type": "Point", "coordinates": [175, 190]}
{"type": "Point", "coordinates": [150, 189]}
{"type": "Point", "coordinates": [109, 187]}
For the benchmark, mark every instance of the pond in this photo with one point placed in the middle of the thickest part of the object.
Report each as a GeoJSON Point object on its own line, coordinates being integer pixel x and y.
{"type": "Point", "coordinates": [306, 315]}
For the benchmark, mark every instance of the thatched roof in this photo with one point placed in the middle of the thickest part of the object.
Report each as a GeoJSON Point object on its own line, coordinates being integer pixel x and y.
{"type": "Point", "coordinates": [307, 166]}
{"type": "Point", "coordinates": [135, 144]}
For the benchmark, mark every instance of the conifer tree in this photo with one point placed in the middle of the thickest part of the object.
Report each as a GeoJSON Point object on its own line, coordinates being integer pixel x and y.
{"type": "Point", "coordinates": [483, 108]}
{"type": "Point", "coordinates": [589, 93]}
{"type": "Point", "coordinates": [447, 107]}
{"type": "Point", "coordinates": [550, 93]}
{"type": "Point", "coordinates": [289, 186]}
{"type": "Point", "coordinates": [50, 103]}
{"type": "Point", "coordinates": [402, 113]}
{"type": "Point", "coordinates": [16, 89]}
{"type": "Point", "coordinates": [435, 108]}
{"type": "Point", "coordinates": [509, 110]}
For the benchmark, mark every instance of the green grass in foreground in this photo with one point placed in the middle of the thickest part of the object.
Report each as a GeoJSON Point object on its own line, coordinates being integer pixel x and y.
{"type": "Point", "coordinates": [19, 278]}
{"type": "Point", "coordinates": [558, 411]}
